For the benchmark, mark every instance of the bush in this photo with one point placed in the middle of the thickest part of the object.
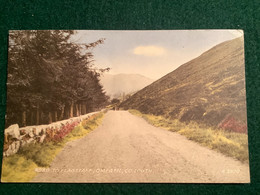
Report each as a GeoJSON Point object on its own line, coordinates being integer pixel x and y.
{"type": "Point", "coordinates": [65, 130]}
{"type": "Point", "coordinates": [40, 154]}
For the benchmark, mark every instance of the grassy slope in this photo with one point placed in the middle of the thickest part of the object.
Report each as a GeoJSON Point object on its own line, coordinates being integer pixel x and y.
{"type": "Point", "coordinates": [205, 89]}
{"type": "Point", "coordinates": [21, 167]}
{"type": "Point", "coordinates": [229, 143]}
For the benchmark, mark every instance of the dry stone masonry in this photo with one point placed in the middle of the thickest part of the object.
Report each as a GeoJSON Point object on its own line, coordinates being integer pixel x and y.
{"type": "Point", "coordinates": [16, 137]}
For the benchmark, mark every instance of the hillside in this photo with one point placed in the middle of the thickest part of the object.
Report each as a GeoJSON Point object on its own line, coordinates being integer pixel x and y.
{"type": "Point", "coordinates": [119, 84]}
{"type": "Point", "coordinates": [207, 89]}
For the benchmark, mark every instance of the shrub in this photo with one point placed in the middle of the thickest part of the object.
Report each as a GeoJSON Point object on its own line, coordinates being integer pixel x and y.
{"type": "Point", "coordinates": [231, 124]}
{"type": "Point", "coordinates": [65, 130]}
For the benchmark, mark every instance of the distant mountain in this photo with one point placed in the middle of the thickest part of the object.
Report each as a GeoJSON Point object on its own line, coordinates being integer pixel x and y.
{"type": "Point", "coordinates": [123, 84]}
{"type": "Point", "coordinates": [207, 89]}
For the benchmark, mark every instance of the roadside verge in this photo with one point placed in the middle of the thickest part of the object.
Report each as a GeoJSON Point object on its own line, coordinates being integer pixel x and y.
{"type": "Point", "coordinates": [20, 167]}
{"type": "Point", "coordinates": [231, 144]}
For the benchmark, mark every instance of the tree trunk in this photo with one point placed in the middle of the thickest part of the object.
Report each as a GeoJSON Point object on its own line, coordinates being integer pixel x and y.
{"type": "Point", "coordinates": [37, 115]}
{"type": "Point", "coordinates": [67, 111]}
{"type": "Point", "coordinates": [56, 116]}
{"type": "Point", "coordinates": [80, 109]}
{"type": "Point", "coordinates": [83, 109]}
{"type": "Point", "coordinates": [62, 113]}
{"type": "Point", "coordinates": [50, 118]}
{"type": "Point", "coordinates": [71, 110]}
{"type": "Point", "coordinates": [31, 119]}
{"type": "Point", "coordinates": [42, 117]}
{"type": "Point", "coordinates": [77, 110]}
{"type": "Point", "coordinates": [24, 118]}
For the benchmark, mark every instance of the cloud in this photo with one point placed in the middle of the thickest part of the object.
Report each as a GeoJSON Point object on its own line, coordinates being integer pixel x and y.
{"type": "Point", "coordinates": [149, 50]}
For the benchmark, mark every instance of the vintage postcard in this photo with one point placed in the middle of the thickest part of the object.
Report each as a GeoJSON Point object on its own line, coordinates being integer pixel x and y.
{"type": "Point", "coordinates": [93, 106]}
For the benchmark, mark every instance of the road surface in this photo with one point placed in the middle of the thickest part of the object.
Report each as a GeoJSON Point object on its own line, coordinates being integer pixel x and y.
{"type": "Point", "coordinates": [125, 148]}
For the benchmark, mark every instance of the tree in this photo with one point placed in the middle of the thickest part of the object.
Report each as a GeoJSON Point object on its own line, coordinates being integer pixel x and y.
{"type": "Point", "coordinates": [115, 101]}
{"type": "Point", "coordinates": [50, 78]}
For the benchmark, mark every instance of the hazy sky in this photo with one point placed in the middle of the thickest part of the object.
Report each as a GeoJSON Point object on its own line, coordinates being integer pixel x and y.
{"type": "Point", "coordinates": [151, 53]}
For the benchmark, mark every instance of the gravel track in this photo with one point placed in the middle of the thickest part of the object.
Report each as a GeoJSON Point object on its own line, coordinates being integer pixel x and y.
{"type": "Point", "coordinates": [125, 148]}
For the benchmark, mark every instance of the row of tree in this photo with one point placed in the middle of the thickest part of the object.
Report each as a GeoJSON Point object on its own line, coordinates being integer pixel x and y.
{"type": "Point", "coordinates": [51, 78]}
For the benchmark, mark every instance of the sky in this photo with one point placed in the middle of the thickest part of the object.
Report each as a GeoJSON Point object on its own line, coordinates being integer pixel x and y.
{"type": "Point", "coordinates": [151, 53]}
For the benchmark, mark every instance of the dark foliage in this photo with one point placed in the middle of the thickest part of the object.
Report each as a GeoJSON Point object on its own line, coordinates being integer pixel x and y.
{"type": "Point", "coordinates": [50, 78]}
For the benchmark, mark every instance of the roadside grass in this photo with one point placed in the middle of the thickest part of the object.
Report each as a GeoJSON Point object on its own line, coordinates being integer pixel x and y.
{"type": "Point", "coordinates": [17, 168]}
{"type": "Point", "coordinates": [21, 167]}
{"type": "Point", "coordinates": [228, 143]}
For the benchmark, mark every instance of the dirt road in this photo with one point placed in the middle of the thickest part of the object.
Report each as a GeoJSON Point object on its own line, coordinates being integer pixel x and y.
{"type": "Point", "coordinates": [126, 148]}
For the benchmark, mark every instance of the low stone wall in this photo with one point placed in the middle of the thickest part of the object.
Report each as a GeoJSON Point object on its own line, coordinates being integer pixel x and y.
{"type": "Point", "coordinates": [16, 137]}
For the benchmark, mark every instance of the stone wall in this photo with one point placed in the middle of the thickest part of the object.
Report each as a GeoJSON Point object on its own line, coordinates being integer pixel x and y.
{"type": "Point", "coordinates": [16, 137]}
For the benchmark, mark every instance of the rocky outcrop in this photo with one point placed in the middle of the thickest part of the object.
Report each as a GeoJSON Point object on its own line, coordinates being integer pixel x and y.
{"type": "Point", "coordinates": [16, 137]}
